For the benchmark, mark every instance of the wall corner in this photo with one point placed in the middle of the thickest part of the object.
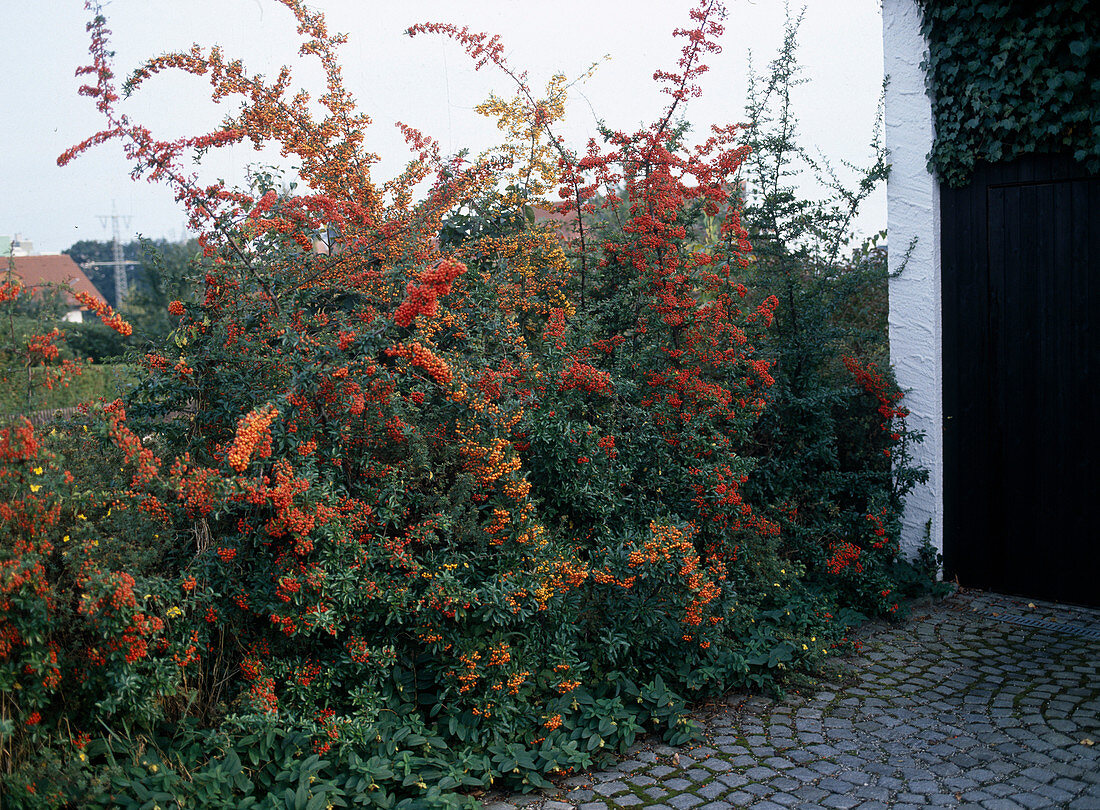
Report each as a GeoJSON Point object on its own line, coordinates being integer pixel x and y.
{"type": "Point", "coordinates": [913, 231]}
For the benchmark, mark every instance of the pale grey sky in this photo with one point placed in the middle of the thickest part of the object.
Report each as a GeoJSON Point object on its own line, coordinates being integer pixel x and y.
{"type": "Point", "coordinates": [424, 82]}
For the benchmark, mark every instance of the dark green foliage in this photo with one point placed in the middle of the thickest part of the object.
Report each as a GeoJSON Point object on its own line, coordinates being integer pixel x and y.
{"type": "Point", "coordinates": [827, 459]}
{"type": "Point", "coordinates": [1012, 77]}
{"type": "Point", "coordinates": [168, 272]}
{"type": "Point", "coordinates": [93, 341]}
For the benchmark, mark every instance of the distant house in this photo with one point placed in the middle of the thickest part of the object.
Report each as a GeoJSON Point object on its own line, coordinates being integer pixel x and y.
{"type": "Point", "coordinates": [56, 270]}
{"type": "Point", "coordinates": [15, 246]}
{"type": "Point", "coordinates": [565, 225]}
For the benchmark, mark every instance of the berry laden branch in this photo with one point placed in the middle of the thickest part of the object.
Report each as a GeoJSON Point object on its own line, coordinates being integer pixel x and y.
{"type": "Point", "coordinates": [145, 150]}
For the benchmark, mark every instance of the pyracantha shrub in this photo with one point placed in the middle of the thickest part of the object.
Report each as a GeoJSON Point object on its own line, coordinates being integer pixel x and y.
{"type": "Point", "coordinates": [418, 495]}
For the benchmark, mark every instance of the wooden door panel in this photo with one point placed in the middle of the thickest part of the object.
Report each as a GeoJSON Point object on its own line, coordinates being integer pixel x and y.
{"type": "Point", "coordinates": [1019, 260]}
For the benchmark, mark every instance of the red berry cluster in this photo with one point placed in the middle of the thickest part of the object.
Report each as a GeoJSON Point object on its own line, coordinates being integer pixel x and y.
{"type": "Point", "coordinates": [844, 555]}
{"type": "Point", "coordinates": [584, 377]}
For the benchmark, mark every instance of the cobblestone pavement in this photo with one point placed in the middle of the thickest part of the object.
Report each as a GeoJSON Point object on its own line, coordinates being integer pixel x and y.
{"type": "Point", "coordinates": [979, 701]}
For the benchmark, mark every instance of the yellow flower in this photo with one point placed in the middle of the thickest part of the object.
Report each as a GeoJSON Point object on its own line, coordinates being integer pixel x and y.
{"type": "Point", "coordinates": [65, 539]}
{"type": "Point", "coordinates": [35, 487]}
{"type": "Point", "coordinates": [174, 611]}
{"type": "Point", "coordinates": [37, 471]}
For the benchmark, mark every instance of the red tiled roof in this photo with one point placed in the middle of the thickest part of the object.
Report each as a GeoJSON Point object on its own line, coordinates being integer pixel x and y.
{"type": "Point", "coordinates": [564, 224]}
{"type": "Point", "coordinates": [35, 270]}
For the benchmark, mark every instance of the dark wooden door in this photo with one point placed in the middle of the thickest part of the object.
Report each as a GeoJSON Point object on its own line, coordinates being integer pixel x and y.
{"type": "Point", "coordinates": [1020, 264]}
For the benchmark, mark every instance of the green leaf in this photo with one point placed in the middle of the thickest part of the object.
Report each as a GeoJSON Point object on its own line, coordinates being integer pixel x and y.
{"type": "Point", "coordinates": [301, 796]}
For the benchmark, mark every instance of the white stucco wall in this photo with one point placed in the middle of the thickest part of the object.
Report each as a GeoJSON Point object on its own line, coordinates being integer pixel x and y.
{"type": "Point", "coordinates": [913, 221]}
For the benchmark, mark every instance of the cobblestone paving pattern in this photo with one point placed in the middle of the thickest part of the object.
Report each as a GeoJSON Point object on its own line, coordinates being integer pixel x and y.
{"type": "Point", "coordinates": [959, 707]}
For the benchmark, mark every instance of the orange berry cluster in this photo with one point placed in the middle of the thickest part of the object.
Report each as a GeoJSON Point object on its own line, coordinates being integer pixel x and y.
{"type": "Point", "coordinates": [664, 542]}
{"type": "Point", "coordinates": [423, 357]}
{"type": "Point", "coordinates": [42, 348]}
{"type": "Point", "coordinates": [358, 650]}
{"type": "Point", "coordinates": [105, 313]}
{"type": "Point", "coordinates": [146, 465]}
{"type": "Point", "coordinates": [489, 464]}
{"type": "Point", "coordinates": [499, 655]}
{"type": "Point", "coordinates": [871, 380]}
{"type": "Point", "coordinates": [879, 530]}
{"type": "Point", "coordinates": [501, 519]}
{"type": "Point", "coordinates": [10, 290]}
{"type": "Point", "coordinates": [18, 443]}
{"type": "Point", "coordinates": [470, 677]}
{"type": "Point", "coordinates": [252, 430]}
{"type": "Point", "coordinates": [420, 299]}
{"type": "Point", "coordinates": [605, 578]}
{"type": "Point", "coordinates": [516, 681]}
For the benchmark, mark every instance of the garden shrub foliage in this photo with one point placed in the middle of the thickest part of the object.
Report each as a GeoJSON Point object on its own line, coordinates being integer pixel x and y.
{"type": "Point", "coordinates": [832, 448]}
{"type": "Point", "coordinates": [449, 502]}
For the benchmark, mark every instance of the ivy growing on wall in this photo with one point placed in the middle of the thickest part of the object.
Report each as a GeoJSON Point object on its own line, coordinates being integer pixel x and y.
{"type": "Point", "coordinates": [1012, 77]}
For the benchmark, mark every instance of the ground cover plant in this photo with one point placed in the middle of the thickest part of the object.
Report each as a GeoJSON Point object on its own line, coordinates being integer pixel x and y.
{"type": "Point", "coordinates": [417, 497]}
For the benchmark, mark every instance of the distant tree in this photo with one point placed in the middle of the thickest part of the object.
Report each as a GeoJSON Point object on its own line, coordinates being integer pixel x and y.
{"type": "Point", "coordinates": [165, 275]}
